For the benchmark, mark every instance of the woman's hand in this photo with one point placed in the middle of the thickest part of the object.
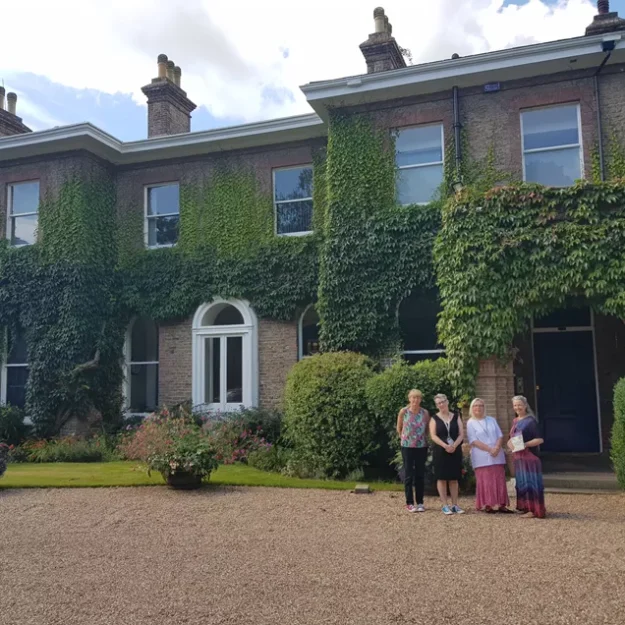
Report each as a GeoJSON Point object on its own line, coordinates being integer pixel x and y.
{"type": "Point", "coordinates": [510, 445]}
{"type": "Point", "coordinates": [494, 451]}
{"type": "Point", "coordinates": [450, 449]}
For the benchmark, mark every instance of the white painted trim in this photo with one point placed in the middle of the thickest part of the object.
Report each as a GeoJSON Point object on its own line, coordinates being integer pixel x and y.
{"type": "Point", "coordinates": [556, 330]}
{"type": "Point", "coordinates": [10, 215]}
{"type": "Point", "coordinates": [276, 202]}
{"type": "Point", "coordinates": [471, 70]}
{"type": "Point", "coordinates": [147, 217]}
{"type": "Point", "coordinates": [579, 144]}
{"type": "Point", "coordinates": [248, 330]}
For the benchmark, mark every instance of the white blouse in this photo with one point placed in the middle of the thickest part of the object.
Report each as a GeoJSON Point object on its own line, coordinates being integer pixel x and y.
{"type": "Point", "coordinates": [486, 431]}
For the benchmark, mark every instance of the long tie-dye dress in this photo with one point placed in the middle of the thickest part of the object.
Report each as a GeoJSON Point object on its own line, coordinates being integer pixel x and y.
{"type": "Point", "coordinates": [530, 493]}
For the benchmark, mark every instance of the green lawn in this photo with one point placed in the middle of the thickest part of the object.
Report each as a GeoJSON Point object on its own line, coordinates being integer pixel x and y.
{"type": "Point", "coordinates": [92, 474]}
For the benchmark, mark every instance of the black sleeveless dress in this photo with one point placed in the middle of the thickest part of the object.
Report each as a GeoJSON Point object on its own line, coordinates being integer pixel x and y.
{"type": "Point", "coordinates": [447, 466]}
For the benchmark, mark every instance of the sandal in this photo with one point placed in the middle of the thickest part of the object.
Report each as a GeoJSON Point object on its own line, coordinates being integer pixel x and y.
{"type": "Point", "coordinates": [505, 510]}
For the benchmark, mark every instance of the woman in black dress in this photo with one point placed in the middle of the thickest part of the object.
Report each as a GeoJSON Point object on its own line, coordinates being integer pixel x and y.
{"type": "Point", "coordinates": [447, 434]}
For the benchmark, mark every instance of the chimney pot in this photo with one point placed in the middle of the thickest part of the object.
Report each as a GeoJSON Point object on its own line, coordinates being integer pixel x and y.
{"type": "Point", "coordinates": [170, 70]}
{"type": "Point", "coordinates": [455, 55]}
{"type": "Point", "coordinates": [603, 7]}
{"type": "Point", "coordinates": [2, 92]}
{"type": "Point", "coordinates": [177, 75]}
{"type": "Point", "coordinates": [11, 102]}
{"type": "Point", "coordinates": [162, 66]}
{"type": "Point", "coordinates": [386, 24]}
{"type": "Point", "coordinates": [378, 20]}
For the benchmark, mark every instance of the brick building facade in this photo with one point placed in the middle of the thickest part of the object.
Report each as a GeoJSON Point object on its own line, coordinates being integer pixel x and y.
{"type": "Point", "coordinates": [574, 86]}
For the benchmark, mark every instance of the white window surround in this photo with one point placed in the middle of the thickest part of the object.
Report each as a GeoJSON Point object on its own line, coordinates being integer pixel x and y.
{"type": "Point", "coordinates": [4, 366]}
{"type": "Point", "coordinates": [248, 331]}
{"type": "Point", "coordinates": [300, 333]}
{"type": "Point", "coordinates": [11, 215]}
{"type": "Point", "coordinates": [579, 145]}
{"type": "Point", "coordinates": [128, 363]}
{"type": "Point", "coordinates": [147, 217]}
{"type": "Point", "coordinates": [440, 163]}
{"type": "Point", "coordinates": [277, 202]}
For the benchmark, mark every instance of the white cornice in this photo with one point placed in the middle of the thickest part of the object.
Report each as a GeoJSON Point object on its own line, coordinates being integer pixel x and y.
{"type": "Point", "coordinates": [89, 137]}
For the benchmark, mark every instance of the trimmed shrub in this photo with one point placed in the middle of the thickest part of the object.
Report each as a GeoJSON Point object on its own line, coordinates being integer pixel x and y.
{"type": "Point", "coordinates": [67, 449]}
{"type": "Point", "coordinates": [13, 430]}
{"type": "Point", "coordinates": [617, 452]}
{"type": "Point", "coordinates": [326, 415]}
{"type": "Point", "coordinates": [232, 440]}
{"type": "Point", "coordinates": [4, 452]}
{"type": "Point", "coordinates": [273, 458]}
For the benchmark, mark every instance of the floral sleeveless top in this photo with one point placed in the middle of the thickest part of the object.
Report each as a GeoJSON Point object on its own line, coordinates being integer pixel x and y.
{"type": "Point", "coordinates": [413, 432]}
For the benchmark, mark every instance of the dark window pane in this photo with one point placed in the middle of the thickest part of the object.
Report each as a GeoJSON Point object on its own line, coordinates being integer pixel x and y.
{"type": "Point", "coordinates": [292, 184]}
{"type": "Point", "coordinates": [212, 370]}
{"type": "Point", "coordinates": [234, 371]}
{"type": "Point", "coordinates": [415, 358]}
{"type": "Point", "coordinates": [294, 217]}
{"type": "Point", "coordinates": [24, 230]}
{"type": "Point", "coordinates": [418, 146]}
{"type": "Point", "coordinates": [143, 388]}
{"type": "Point", "coordinates": [310, 332]}
{"type": "Point", "coordinates": [164, 200]}
{"type": "Point", "coordinates": [228, 316]}
{"type": "Point", "coordinates": [564, 318]}
{"type": "Point", "coordinates": [144, 341]}
{"type": "Point", "coordinates": [418, 316]}
{"type": "Point", "coordinates": [162, 230]}
{"type": "Point", "coordinates": [554, 168]}
{"type": "Point", "coordinates": [17, 377]}
{"type": "Point", "coordinates": [24, 198]}
{"type": "Point", "coordinates": [17, 352]}
{"type": "Point", "coordinates": [550, 127]}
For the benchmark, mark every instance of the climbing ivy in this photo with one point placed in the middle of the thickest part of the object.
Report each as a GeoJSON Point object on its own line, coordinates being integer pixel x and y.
{"type": "Point", "coordinates": [518, 251]}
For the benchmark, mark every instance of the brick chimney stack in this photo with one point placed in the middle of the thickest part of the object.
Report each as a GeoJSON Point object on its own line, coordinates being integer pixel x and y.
{"type": "Point", "coordinates": [169, 108]}
{"type": "Point", "coordinates": [10, 123]}
{"type": "Point", "coordinates": [605, 21]}
{"type": "Point", "coordinates": [381, 51]}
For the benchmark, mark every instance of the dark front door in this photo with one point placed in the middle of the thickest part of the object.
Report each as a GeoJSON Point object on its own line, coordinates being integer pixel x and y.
{"type": "Point", "coordinates": [566, 391]}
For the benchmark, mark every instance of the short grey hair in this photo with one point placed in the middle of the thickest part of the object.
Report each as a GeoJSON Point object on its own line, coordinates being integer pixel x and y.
{"type": "Point", "coordinates": [523, 399]}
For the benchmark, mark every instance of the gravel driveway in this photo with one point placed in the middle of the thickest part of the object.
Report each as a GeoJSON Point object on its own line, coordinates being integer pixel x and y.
{"type": "Point", "coordinates": [254, 555]}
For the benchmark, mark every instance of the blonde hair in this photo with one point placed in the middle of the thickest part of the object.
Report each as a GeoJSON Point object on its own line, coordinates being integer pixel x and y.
{"type": "Point", "coordinates": [441, 396]}
{"type": "Point", "coordinates": [528, 408]}
{"type": "Point", "coordinates": [473, 404]}
{"type": "Point", "coordinates": [415, 391]}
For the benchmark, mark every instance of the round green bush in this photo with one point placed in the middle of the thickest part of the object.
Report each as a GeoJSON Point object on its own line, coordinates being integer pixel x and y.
{"type": "Point", "coordinates": [617, 452]}
{"type": "Point", "coordinates": [326, 416]}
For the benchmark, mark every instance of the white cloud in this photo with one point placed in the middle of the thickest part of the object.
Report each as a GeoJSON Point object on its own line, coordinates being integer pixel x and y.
{"type": "Point", "coordinates": [230, 51]}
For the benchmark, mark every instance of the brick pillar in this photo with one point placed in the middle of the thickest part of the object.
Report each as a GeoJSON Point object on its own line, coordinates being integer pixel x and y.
{"type": "Point", "coordinates": [495, 385]}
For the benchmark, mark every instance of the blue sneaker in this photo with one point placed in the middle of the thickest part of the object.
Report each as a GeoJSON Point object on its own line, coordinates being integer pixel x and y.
{"type": "Point", "coordinates": [457, 510]}
{"type": "Point", "coordinates": [447, 510]}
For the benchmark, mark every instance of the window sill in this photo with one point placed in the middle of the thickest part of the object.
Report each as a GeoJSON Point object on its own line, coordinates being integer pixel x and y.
{"type": "Point", "coordinates": [294, 234]}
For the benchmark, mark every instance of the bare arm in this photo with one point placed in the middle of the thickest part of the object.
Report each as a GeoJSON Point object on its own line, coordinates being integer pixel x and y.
{"type": "Point", "coordinates": [460, 438]}
{"type": "Point", "coordinates": [427, 420]}
{"type": "Point", "coordinates": [400, 421]}
{"type": "Point", "coordinates": [433, 436]}
{"type": "Point", "coordinates": [535, 442]}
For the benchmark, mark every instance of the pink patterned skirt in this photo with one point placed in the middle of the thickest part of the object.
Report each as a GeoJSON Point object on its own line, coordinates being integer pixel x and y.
{"type": "Point", "coordinates": [491, 487]}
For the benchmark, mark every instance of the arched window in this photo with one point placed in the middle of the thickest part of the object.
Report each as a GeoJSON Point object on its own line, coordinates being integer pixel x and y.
{"type": "Point", "coordinates": [308, 332]}
{"type": "Point", "coordinates": [418, 316]}
{"type": "Point", "coordinates": [14, 371]}
{"type": "Point", "coordinates": [142, 366]}
{"type": "Point", "coordinates": [225, 361]}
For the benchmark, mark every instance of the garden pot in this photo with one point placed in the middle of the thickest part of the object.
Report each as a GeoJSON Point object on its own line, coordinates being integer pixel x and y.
{"type": "Point", "coordinates": [183, 481]}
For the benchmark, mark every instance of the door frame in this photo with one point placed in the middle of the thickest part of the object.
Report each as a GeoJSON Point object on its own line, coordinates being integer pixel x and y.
{"type": "Point", "coordinates": [556, 330]}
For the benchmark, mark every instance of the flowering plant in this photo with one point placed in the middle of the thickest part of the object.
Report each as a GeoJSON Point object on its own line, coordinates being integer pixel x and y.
{"type": "Point", "coordinates": [191, 454]}
{"type": "Point", "coordinates": [233, 439]}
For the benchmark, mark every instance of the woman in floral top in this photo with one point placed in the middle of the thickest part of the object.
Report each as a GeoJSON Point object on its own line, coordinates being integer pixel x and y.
{"type": "Point", "coordinates": [412, 425]}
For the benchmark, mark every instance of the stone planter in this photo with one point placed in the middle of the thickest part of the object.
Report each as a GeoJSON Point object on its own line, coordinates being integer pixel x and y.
{"type": "Point", "coordinates": [183, 481]}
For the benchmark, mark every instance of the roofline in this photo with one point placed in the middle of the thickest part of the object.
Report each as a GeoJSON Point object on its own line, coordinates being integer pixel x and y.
{"type": "Point", "coordinates": [87, 136]}
{"type": "Point", "coordinates": [318, 93]}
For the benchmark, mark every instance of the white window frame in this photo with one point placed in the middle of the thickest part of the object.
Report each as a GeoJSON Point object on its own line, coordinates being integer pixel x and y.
{"type": "Point", "coordinates": [420, 165]}
{"type": "Point", "coordinates": [4, 370]}
{"type": "Point", "coordinates": [128, 363]}
{"type": "Point", "coordinates": [300, 333]}
{"type": "Point", "coordinates": [248, 330]}
{"type": "Point", "coordinates": [276, 202]}
{"type": "Point", "coordinates": [147, 216]}
{"type": "Point", "coordinates": [579, 144]}
{"type": "Point", "coordinates": [11, 215]}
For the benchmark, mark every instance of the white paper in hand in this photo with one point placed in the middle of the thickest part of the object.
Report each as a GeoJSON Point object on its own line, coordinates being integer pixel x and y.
{"type": "Point", "coordinates": [517, 443]}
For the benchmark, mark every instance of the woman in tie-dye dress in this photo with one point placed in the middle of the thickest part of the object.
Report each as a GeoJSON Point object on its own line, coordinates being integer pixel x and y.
{"type": "Point", "coordinates": [530, 494]}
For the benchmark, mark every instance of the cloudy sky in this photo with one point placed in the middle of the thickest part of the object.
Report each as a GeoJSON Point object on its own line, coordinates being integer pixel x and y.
{"type": "Point", "coordinates": [242, 60]}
